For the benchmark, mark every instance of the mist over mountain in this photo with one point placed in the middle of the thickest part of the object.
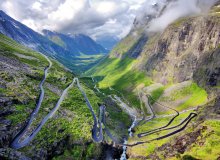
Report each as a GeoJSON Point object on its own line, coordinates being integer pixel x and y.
{"type": "Point", "coordinates": [157, 15]}
{"type": "Point", "coordinates": [172, 55]}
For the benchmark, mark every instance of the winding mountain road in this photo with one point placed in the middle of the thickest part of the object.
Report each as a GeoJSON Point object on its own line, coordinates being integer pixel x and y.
{"type": "Point", "coordinates": [17, 142]}
{"type": "Point", "coordinates": [145, 99]}
{"type": "Point", "coordinates": [149, 108]}
{"type": "Point", "coordinates": [187, 121]}
{"type": "Point", "coordinates": [160, 128]}
{"type": "Point", "coordinates": [97, 132]}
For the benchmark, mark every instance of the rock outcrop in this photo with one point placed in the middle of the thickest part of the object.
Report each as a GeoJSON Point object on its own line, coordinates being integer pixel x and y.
{"type": "Point", "coordinates": [181, 48]}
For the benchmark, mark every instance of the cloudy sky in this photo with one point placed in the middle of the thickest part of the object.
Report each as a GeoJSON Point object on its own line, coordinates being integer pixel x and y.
{"type": "Point", "coordinates": [97, 18]}
{"type": "Point", "coordinates": [93, 17]}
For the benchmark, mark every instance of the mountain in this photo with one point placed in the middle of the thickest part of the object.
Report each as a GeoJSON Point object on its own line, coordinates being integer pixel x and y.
{"type": "Point", "coordinates": [155, 96]}
{"type": "Point", "coordinates": [65, 51]}
{"type": "Point", "coordinates": [67, 134]}
{"type": "Point", "coordinates": [78, 43]}
{"type": "Point", "coordinates": [108, 41]}
{"type": "Point", "coordinates": [29, 38]}
{"type": "Point", "coordinates": [179, 68]}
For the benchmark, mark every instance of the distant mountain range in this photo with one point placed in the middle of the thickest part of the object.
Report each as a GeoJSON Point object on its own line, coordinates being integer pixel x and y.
{"type": "Point", "coordinates": [77, 43]}
{"type": "Point", "coordinates": [62, 47]}
{"type": "Point", "coordinates": [108, 41]}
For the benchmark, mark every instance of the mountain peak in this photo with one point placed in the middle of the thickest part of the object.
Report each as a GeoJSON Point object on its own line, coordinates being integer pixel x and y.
{"type": "Point", "coordinates": [2, 12]}
{"type": "Point", "coordinates": [79, 43]}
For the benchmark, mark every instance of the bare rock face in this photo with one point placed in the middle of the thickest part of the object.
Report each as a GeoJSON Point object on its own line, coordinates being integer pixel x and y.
{"type": "Point", "coordinates": [208, 67]}
{"type": "Point", "coordinates": [180, 144]}
{"type": "Point", "coordinates": [217, 3]}
{"type": "Point", "coordinates": [182, 49]}
{"type": "Point", "coordinates": [177, 54]}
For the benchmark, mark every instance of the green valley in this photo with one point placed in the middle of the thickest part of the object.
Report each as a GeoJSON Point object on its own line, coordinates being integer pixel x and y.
{"type": "Point", "coordinates": [155, 95]}
{"type": "Point", "coordinates": [19, 92]}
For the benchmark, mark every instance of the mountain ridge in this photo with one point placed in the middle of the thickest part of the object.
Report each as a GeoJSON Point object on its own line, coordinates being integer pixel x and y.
{"type": "Point", "coordinates": [77, 43]}
{"type": "Point", "coordinates": [24, 75]}
{"type": "Point", "coordinates": [66, 55]}
{"type": "Point", "coordinates": [179, 68]}
{"type": "Point", "coordinates": [156, 91]}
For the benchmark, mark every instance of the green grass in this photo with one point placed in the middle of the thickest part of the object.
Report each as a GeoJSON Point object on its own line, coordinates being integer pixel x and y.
{"type": "Point", "coordinates": [73, 119]}
{"type": "Point", "coordinates": [2, 90]}
{"type": "Point", "coordinates": [156, 94]}
{"type": "Point", "coordinates": [148, 148]}
{"type": "Point", "coordinates": [88, 151]}
{"type": "Point", "coordinates": [74, 153]}
{"type": "Point", "coordinates": [57, 40]}
{"type": "Point", "coordinates": [210, 149]}
{"type": "Point", "coordinates": [123, 47]}
{"type": "Point", "coordinates": [119, 75]}
{"type": "Point", "coordinates": [21, 113]}
{"type": "Point", "coordinates": [196, 96]}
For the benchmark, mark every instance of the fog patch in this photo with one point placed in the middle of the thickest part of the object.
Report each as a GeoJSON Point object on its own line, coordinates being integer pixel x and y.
{"type": "Point", "coordinates": [177, 9]}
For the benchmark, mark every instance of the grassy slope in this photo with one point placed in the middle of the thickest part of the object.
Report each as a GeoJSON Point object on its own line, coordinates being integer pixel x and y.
{"type": "Point", "coordinates": [79, 63]}
{"type": "Point", "coordinates": [123, 47]}
{"type": "Point", "coordinates": [205, 147]}
{"type": "Point", "coordinates": [83, 63]}
{"type": "Point", "coordinates": [73, 118]}
{"type": "Point", "coordinates": [119, 74]}
{"type": "Point", "coordinates": [210, 148]}
{"type": "Point", "coordinates": [149, 148]}
{"type": "Point", "coordinates": [192, 96]}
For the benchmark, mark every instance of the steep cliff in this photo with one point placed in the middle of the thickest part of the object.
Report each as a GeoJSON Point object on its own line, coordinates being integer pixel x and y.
{"type": "Point", "coordinates": [181, 48]}
{"type": "Point", "coordinates": [179, 67]}
{"type": "Point", "coordinates": [176, 54]}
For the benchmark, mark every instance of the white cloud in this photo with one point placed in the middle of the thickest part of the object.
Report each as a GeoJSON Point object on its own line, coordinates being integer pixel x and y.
{"type": "Point", "coordinates": [178, 9]}
{"type": "Point", "coordinates": [110, 17]}
{"type": "Point", "coordinates": [36, 6]}
{"type": "Point", "coordinates": [30, 23]}
{"type": "Point", "coordinates": [8, 6]}
{"type": "Point", "coordinates": [105, 7]}
{"type": "Point", "coordinates": [93, 17]}
{"type": "Point", "coordinates": [67, 10]}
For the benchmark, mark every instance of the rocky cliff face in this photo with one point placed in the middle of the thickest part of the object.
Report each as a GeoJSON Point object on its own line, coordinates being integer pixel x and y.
{"type": "Point", "coordinates": [188, 49]}
{"type": "Point", "coordinates": [180, 50]}
{"type": "Point", "coordinates": [134, 42]}
{"type": "Point", "coordinates": [183, 55]}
